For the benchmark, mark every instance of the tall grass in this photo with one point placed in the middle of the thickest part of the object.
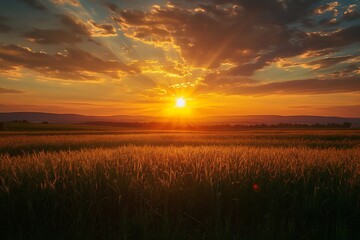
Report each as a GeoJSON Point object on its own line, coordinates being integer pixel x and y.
{"type": "Point", "coordinates": [202, 187]}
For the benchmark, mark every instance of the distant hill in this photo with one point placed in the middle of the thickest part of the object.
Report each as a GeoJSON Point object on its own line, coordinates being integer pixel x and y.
{"type": "Point", "coordinates": [276, 119]}
{"type": "Point", "coordinates": [241, 119]}
{"type": "Point", "coordinates": [69, 118]}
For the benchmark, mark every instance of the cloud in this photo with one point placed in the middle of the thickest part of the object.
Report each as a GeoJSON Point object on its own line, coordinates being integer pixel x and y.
{"type": "Point", "coordinates": [6, 66]}
{"type": "Point", "coordinates": [205, 37]}
{"type": "Point", "coordinates": [35, 4]}
{"type": "Point", "coordinates": [329, 7]}
{"type": "Point", "coordinates": [298, 87]}
{"type": "Point", "coordinates": [52, 36]}
{"type": "Point", "coordinates": [334, 39]}
{"type": "Point", "coordinates": [228, 40]}
{"type": "Point", "coordinates": [328, 62]}
{"type": "Point", "coordinates": [75, 64]}
{"type": "Point", "coordinates": [346, 110]}
{"type": "Point", "coordinates": [112, 7]}
{"type": "Point", "coordinates": [6, 90]}
{"type": "Point", "coordinates": [89, 28]}
{"type": "Point", "coordinates": [352, 13]}
{"type": "Point", "coordinates": [217, 79]}
{"type": "Point", "coordinates": [350, 70]}
{"type": "Point", "coordinates": [74, 3]}
{"type": "Point", "coordinates": [103, 30]}
{"type": "Point", "coordinates": [167, 68]}
{"type": "Point", "coordinates": [75, 31]}
{"type": "Point", "coordinates": [245, 34]}
{"type": "Point", "coordinates": [4, 28]}
{"type": "Point", "coordinates": [74, 24]}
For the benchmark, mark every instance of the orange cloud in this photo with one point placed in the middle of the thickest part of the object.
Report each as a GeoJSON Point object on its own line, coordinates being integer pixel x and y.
{"type": "Point", "coordinates": [74, 31]}
{"type": "Point", "coordinates": [329, 7]}
{"type": "Point", "coordinates": [297, 87]}
{"type": "Point", "coordinates": [209, 35]}
{"type": "Point", "coordinates": [103, 30]}
{"type": "Point", "coordinates": [74, 3]}
{"type": "Point", "coordinates": [75, 64]}
{"type": "Point", "coordinates": [6, 90]}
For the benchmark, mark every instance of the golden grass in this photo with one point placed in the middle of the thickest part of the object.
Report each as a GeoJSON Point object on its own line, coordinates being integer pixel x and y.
{"type": "Point", "coordinates": [181, 186]}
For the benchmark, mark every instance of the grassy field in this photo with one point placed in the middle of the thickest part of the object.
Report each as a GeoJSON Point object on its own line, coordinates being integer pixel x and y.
{"type": "Point", "coordinates": [250, 184]}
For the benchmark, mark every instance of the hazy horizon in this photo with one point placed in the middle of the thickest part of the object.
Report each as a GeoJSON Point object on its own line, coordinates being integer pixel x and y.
{"type": "Point", "coordinates": [203, 116]}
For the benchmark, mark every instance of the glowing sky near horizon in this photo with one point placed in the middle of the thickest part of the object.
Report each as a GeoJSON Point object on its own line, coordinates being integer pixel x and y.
{"type": "Point", "coordinates": [225, 57]}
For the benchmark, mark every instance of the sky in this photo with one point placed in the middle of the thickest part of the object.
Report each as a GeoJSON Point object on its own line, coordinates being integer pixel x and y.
{"type": "Point", "coordinates": [223, 57]}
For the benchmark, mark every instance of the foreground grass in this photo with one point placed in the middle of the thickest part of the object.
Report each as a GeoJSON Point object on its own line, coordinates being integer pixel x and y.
{"type": "Point", "coordinates": [221, 190]}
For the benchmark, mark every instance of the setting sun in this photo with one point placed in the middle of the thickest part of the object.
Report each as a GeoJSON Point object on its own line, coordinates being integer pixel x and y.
{"type": "Point", "coordinates": [180, 102]}
{"type": "Point", "coordinates": [179, 108]}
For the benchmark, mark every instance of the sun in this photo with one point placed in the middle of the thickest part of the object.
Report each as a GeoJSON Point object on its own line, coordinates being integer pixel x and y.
{"type": "Point", "coordinates": [179, 108]}
{"type": "Point", "coordinates": [180, 102]}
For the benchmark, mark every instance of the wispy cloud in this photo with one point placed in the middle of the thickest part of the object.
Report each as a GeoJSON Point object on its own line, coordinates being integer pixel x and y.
{"type": "Point", "coordinates": [36, 4]}
{"type": "Point", "coordinates": [74, 64]}
{"type": "Point", "coordinates": [6, 90]}
{"type": "Point", "coordinates": [293, 87]}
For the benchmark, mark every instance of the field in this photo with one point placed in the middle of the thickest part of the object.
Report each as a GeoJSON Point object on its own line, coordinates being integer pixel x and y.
{"type": "Point", "coordinates": [249, 184]}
